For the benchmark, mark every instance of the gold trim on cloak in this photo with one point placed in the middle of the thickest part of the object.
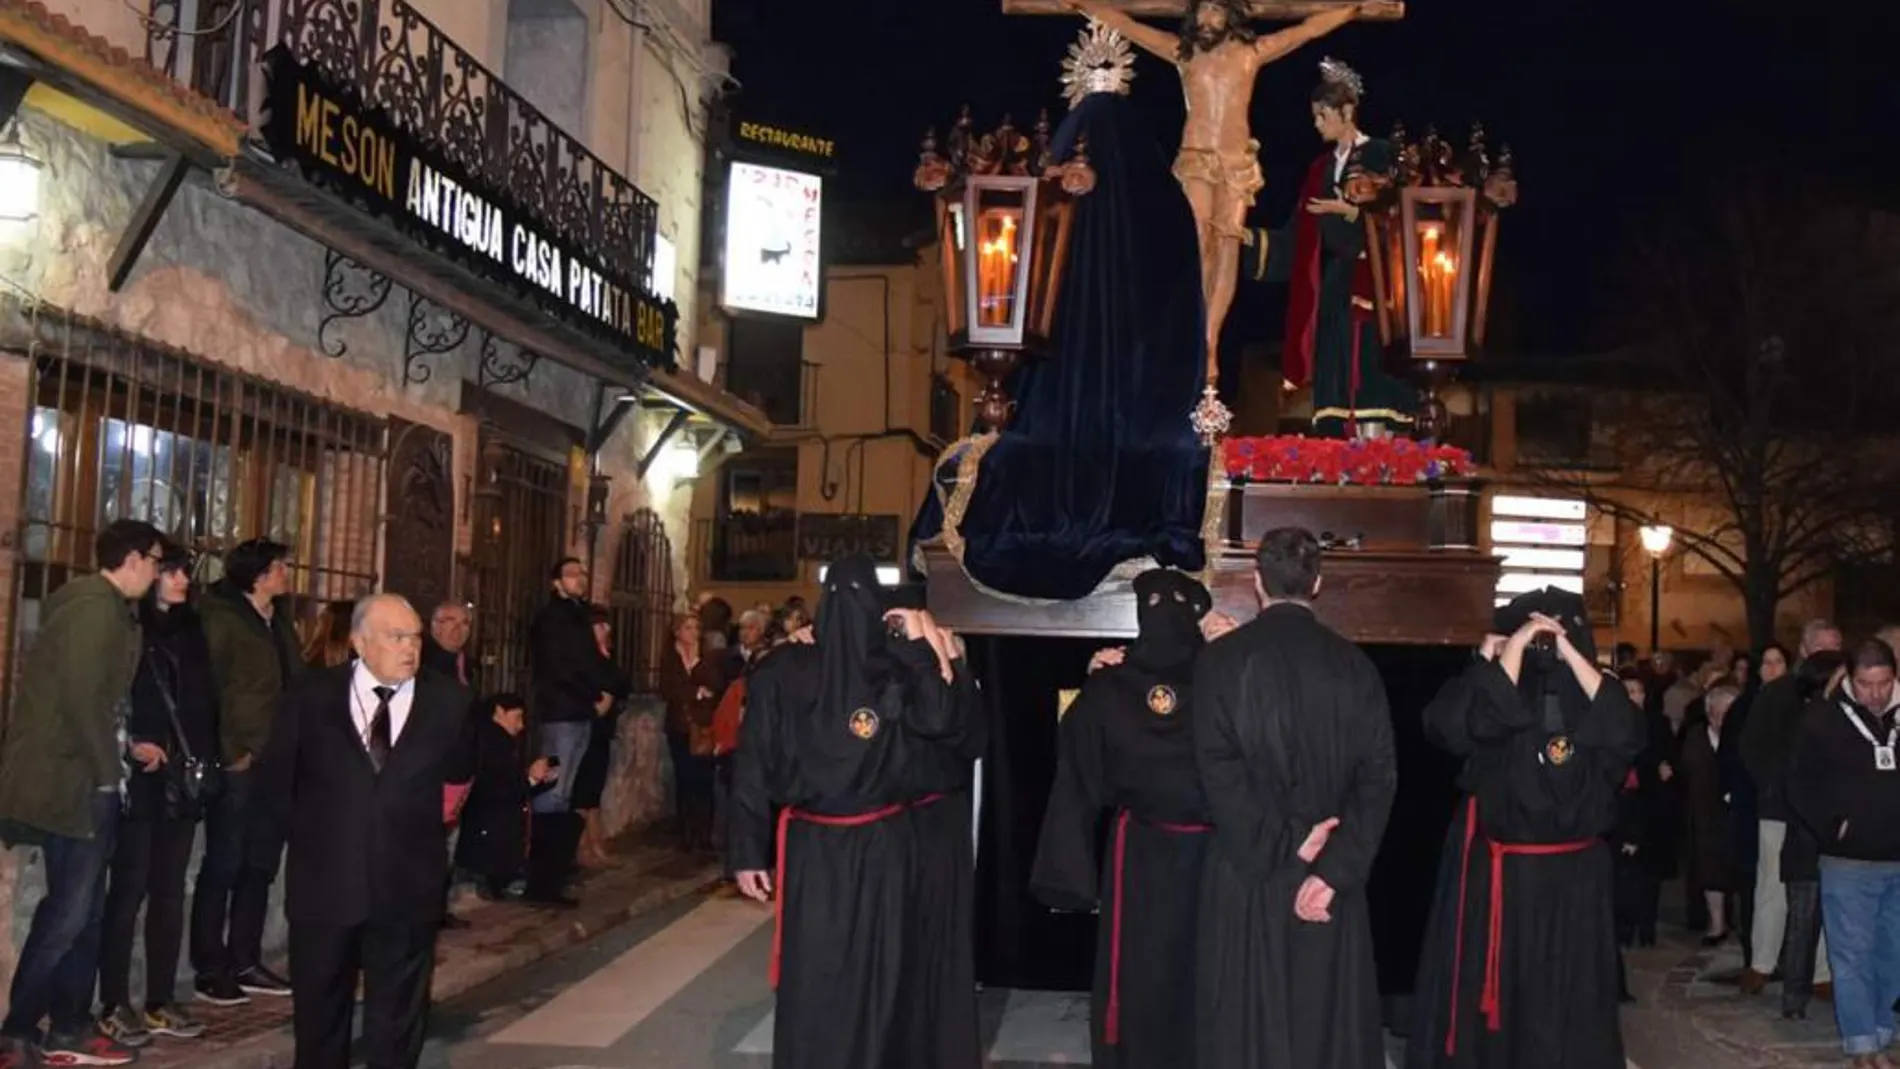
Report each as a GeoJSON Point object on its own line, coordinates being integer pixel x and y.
{"type": "Point", "coordinates": [956, 503]}
{"type": "Point", "coordinates": [1391, 415]}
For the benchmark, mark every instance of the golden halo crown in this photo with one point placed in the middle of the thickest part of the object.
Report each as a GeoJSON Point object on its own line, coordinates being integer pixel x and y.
{"type": "Point", "coordinates": [1100, 61]}
{"type": "Point", "coordinates": [1333, 72]}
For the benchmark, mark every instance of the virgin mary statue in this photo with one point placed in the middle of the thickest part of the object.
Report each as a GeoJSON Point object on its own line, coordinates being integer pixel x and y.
{"type": "Point", "coordinates": [1099, 465]}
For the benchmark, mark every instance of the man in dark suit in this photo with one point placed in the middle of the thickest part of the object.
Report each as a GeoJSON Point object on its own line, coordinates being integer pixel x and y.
{"type": "Point", "coordinates": [356, 765]}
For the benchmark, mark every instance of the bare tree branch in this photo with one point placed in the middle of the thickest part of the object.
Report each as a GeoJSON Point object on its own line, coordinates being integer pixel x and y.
{"type": "Point", "coordinates": [1763, 336]}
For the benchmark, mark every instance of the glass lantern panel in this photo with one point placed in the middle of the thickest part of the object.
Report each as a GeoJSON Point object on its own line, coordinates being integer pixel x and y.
{"type": "Point", "coordinates": [950, 236]}
{"type": "Point", "coordinates": [997, 238]}
{"type": "Point", "coordinates": [1439, 235]}
{"type": "Point", "coordinates": [1050, 257]}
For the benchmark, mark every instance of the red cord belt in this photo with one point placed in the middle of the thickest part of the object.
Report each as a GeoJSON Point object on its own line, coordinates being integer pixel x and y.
{"type": "Point", "coordinates": [1488, 997]}
{"type": "Point", "coordinates": [824, 820]}
{"type": "Point", "coordinates": [1112, 1027]}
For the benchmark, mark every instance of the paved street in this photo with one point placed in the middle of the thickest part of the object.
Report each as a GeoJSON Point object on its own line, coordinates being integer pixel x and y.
{"type": "Point", "coordinates": [684, 988]}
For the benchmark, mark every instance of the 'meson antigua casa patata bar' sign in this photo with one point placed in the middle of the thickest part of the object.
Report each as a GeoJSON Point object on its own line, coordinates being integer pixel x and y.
{"type": "Point", "coordinates": [359, 153]}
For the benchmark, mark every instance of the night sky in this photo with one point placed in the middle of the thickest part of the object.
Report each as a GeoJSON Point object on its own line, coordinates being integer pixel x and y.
{"type": "Point", "coordinates": [1620, 114]}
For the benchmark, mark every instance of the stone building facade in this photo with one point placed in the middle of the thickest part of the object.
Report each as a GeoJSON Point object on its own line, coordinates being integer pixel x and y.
{"type": "Point", "coordinates": [247, 373]}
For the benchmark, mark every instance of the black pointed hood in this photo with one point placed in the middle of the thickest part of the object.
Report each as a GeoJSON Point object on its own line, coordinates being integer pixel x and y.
{"type": "Point", "coordinates": [1168, 610]}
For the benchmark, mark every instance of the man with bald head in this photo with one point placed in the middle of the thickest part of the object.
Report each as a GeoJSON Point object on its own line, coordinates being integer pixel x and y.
{"type": "Point", "coordinates": [355, 766]}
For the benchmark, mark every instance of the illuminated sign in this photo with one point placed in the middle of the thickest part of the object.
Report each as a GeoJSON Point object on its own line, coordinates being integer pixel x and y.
{"type": "Point", "coordinates": [773, 223]}
{"type": "Point", "coordinates": [781, 140]}
{"type": "Point", "coordinates": [362, 155]}
{"type": "Point", "coordinates": [1542, 541]}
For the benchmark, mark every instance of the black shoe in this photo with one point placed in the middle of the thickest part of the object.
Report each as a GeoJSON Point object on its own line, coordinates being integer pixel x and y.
{"type": "Point", "coordinates": [553, 901]}
{"type": "Point", "coordinates": [453, 923]}
{"type": "Point", "coordinates": [257, 980]}
{"type": "Point", "coordinates": [220, 991]}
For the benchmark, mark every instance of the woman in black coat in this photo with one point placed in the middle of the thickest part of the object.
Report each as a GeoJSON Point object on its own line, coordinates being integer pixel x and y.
{"type": "Point", "coordinates": [590, 780]}
{"type": "Point", "coordinates": [173, 726]}
{"type": "Point", "coordinates": [1707, 774]}
{"type": "Point", "coordinates": [1645, 830]}
{"type": "Point", "coordinates": [494, 840]}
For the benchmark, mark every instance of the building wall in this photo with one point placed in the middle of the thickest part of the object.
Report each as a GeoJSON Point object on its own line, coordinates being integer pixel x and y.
{"type": "Point", "coordinates": [868, 405]}
{"type": "Point", "coordinates": [229, 286]}
{"type": "Point", "coordinates": [1699, 609]}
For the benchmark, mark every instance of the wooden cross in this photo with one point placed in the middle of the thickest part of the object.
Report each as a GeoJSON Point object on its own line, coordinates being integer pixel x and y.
{"type": "Point", "coordinates": [1266, 10]}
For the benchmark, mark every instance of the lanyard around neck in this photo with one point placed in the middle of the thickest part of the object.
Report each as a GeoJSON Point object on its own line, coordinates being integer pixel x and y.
{"type": "Point", "coordinates": [1893, 733]}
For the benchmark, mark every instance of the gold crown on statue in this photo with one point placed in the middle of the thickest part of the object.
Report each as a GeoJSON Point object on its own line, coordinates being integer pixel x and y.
{"type": "Point", "coordinates": [1100, 61]}
{"type": "Point", "coordinates": [1333, 72]}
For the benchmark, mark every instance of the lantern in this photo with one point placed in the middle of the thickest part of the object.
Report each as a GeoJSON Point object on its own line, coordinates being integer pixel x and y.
{"type": "Point", "coordinates": [1003, 216]}
{"type": "Point", "coordinates": [19, 184]}
{"type": "Point", "coordinates": [1432, 249]}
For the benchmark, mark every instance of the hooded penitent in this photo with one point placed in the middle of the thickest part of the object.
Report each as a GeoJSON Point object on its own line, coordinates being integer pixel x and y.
{"type": "Point", "coordinates": [1544, 681]}
{"type": "Point", "coordinates": [1168, 610]}
{"type": "Point", "coordinates": [853, 639]}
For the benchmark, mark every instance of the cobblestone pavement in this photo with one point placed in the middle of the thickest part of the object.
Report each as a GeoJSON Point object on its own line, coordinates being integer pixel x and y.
{"type": "Point", "coordinates": [1699, 989]}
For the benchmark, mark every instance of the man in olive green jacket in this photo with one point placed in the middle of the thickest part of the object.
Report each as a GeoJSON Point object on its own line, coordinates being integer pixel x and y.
{"type": "Point", "coordinates": [251, 632]}
{"type": "Point", "coordinates": [63, 762]}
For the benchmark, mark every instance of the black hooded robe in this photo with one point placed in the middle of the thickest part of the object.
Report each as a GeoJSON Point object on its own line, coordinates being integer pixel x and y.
{"type": "Point", "coordinates": [937, 1007]}
{"type": "Point", "coordinates": [1291, 728]}
{"type": "Point", "coordinates": [830, 734]}
{"type": "Point", "coordinates": [1126, 745]}
{"type": "Point", "coordinates": [1527, 973]}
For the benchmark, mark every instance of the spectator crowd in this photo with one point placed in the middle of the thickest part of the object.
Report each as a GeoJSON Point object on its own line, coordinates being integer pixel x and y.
{"type": "Point", "coordinates": [1769, 786]}
{"type": "Point", "coordinates": [145, 711]}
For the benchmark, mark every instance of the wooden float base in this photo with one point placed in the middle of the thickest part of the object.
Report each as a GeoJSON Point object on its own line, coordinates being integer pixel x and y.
{"type": "Point", "coordinates": [1419, 579]}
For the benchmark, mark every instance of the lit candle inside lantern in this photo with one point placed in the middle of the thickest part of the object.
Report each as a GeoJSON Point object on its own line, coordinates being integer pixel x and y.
{"type": "Point", "coordinates": [996, 260]}
{"type": "Point", "coordinates": [1438, 273]}
{"type": "Point", "coordinates": [1446, 272]}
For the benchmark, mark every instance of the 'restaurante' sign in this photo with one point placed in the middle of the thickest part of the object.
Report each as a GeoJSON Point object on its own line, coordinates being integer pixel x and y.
{"type": "Point", "coordinates": [362, 155]}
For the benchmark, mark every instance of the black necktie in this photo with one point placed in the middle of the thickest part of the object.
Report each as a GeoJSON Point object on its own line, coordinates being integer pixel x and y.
{"type": "Point", "coordinates": [379, 727]}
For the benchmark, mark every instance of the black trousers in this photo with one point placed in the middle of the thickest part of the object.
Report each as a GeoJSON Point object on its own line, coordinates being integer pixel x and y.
{"type": "Point", "coordinates": [243, 849]}
{"type": "Point", "coordinates": [1800, 945]}
{"type": "Point", "coordinates": [396, 962]}
{"type": "Point", "coordinates": [148, 866]}
{"type": "Point", "coordinates": [554, 837]}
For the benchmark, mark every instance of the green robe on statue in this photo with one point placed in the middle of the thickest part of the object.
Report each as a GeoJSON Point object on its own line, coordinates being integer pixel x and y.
{"type": "Point", "coordinates": [1332, 335]}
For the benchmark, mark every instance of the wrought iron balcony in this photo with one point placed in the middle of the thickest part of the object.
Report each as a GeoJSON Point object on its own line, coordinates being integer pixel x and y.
{"type": "Point", "coordinates": [398, 62]}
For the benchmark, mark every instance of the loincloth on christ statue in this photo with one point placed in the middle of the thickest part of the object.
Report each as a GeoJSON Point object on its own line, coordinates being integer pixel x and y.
{"type": "Point", "coordinates": [1236, 174]}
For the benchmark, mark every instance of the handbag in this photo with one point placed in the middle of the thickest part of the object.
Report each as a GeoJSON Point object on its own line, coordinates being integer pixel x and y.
{"type": "Point", "coordinates": [192, 783]}
{"type": "Point", "coordinates": [727, 719]}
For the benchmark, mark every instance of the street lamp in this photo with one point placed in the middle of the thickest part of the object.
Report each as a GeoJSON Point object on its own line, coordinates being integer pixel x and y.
{"type": "Point", "coordinates": [1656, 539]}
{"type": "Point", "coordinates": [1003, 213]}
{"type": "Point", "coordinates": [1431, 253]}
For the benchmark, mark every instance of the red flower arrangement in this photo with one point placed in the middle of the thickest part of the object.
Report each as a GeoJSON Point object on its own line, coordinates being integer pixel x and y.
{"type": "Point", "coordinates": [1358, 461]}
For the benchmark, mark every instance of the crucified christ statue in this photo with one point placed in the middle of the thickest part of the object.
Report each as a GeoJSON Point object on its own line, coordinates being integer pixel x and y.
{"type": "Point", "coordinates": [1219, 55]}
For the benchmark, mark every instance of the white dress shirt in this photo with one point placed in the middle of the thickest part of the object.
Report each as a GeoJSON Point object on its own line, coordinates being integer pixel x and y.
{"type": "Point", "coordinates": [363, 686]}
{"type": "Point", "coordinates": [1342, 154]}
